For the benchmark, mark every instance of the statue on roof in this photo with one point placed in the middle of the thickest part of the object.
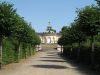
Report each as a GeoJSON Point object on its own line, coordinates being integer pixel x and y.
{"type": "Point", "coordinates": [50, 29]}
{"type": "Point", "coordinates": [49, 23]}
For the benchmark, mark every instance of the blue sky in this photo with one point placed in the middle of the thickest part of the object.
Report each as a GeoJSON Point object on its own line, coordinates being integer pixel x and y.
{"type": "Point", "coordinates": [58, 12]}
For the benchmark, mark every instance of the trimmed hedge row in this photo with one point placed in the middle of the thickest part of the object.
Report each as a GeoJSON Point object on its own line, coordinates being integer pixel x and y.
{"type": "Point", "coordinates": [10, 53]}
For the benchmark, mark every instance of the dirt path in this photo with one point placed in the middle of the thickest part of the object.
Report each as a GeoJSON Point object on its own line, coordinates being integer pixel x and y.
{"type": "Point", "coordinates": [46, 62]}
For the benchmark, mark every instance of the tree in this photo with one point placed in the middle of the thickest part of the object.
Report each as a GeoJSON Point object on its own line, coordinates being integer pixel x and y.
{"type": "Point", "coordinates": [98, 2]}
{"type": "Point", "coordinates": [62, 40]}
{"type": "Point", "coordinates": [67, 38]}
{"type": "Point", "coordinates": [78, 36]}
{"type": "Point", "coordinates": [13, 25]}
{"type": "Point", "coordinates": [89, 24]}
{"type": "Point", "coordinates": [24, 29]}
{"type": "Point", "coordinates": [7, 26]}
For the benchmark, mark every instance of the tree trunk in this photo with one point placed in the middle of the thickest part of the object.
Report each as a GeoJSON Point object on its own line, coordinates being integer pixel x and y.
{"type": "Point", "coordinates": [16, 53]}
{"type": "Point", "coordinates": [1, 38]}
{"type": "Point", "coordinates": [71, 50]}
{"type": "Point", "coordinates": [61, 49]}
{"type": "Point", "coordinates": [19, 44]}
{"type": "Point", "coordinates": [92, 50]}
{"type": "Point", "coordinates": [78, 52]}
{"type": "Point", "coordinates": [26, 51]}
{"type": "Point", "coordinates": [30, 50]}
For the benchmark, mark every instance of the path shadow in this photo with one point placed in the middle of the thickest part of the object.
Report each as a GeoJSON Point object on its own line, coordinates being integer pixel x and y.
{"type": "Point", "coordinates": [51, 57]}
{"type": "Point", "coordinates": [53, 60]}
{"type": "Point", "coordinates": [51, 53]}
{"type": "Point", "coordinates": [81, 68]}
{"type": "Point", "coordinates": [50, 66]}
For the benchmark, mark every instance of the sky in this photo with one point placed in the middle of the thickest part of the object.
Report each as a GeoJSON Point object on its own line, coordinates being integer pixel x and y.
{"type": "Point", "coordinates": [39, 12]}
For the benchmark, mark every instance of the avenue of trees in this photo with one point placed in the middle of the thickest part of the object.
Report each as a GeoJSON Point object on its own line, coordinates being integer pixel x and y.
{"type": "Point", "coordinates": [17, 38]}
{"type": "Point", "coordinates": [81, 40]}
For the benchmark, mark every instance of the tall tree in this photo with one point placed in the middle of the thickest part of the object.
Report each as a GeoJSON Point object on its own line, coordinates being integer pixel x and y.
{"type": "Point", "coordinates": [98, 2]}
{"type": "Point", "coordinates": [78, 35]}
{"type": "Point", "coordinates": [67, 38]}
{"type": "Point", "coordinates": [7, 13]}
{"type": "Point", "coordinates": [89, 21]}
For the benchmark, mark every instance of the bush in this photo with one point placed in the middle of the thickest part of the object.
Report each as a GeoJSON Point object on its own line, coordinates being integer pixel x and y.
{"type": "Point", "coordinates": [8, 51]}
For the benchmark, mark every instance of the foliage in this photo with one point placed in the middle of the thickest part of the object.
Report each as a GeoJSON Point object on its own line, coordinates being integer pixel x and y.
{"type": "Point", "coordinates": [6, 18]}
{"type": "Point", "coordinates": [16, 34]}
{"type": "Point", "coordinates": [8, 51]}
{"type": "Point", "coordinates": [89, 20]}
{"type": "Point", "coordinates": [98, 2]}
{"type": "Point", "coordinates": [81, 38]}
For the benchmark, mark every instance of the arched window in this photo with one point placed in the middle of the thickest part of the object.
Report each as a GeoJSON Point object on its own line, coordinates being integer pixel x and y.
{"type": "Point", "coordinates": [48, 40]}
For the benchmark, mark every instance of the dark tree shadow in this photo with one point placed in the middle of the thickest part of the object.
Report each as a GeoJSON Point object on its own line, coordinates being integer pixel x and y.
{"type": "Point", "coordinates": [50, 66]}
{"type": "Point", "coordinates": [51, 53]}
{"type": "Point", "coordinates": [53, 60]}
{"type": "Point", "coordinates": [51, 57]}
{"type": "Point", "coordinates": [80, 67]}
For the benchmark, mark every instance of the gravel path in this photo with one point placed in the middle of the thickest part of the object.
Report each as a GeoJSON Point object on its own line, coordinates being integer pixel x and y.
{"type": "Point", "coordinates": [46, 62]}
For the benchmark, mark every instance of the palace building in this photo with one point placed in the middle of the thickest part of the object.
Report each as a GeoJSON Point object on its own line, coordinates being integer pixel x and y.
{"type": "Point", "coordinates": [49, 36]}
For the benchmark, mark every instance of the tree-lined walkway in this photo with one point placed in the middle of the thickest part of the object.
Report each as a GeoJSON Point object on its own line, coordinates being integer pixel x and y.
{"type": "Point", "coordinates": [46, 62]}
